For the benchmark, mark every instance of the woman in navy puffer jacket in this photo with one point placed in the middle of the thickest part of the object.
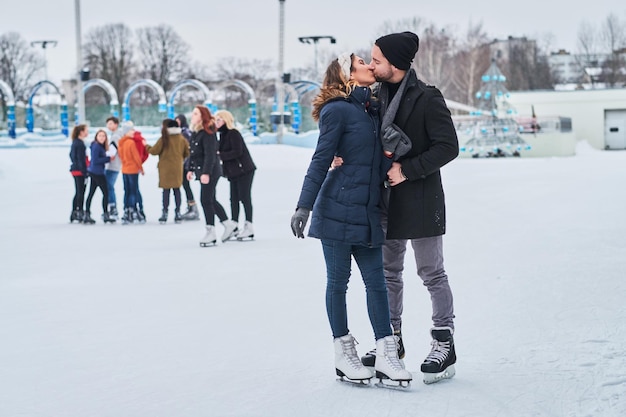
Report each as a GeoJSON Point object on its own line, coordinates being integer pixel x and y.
{"type": "Point", "coordinates": [346, 215]}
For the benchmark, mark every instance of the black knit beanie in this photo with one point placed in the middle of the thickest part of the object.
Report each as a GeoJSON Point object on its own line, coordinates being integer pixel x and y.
{"type": "Point", "coordinates": [399, 48]}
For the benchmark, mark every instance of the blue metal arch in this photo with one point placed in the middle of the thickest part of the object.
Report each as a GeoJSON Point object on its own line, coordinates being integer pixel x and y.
{"type": "Point", "coordinates": [10, 103]}
{"type": "Point", "coordinates": [30, 116]}
{"type": "Point", "coordinates": [154, 86]}
{"type": "Point", "coordinates": [188, 83]}
{"type": "Point", "coordinates": [304, 86]}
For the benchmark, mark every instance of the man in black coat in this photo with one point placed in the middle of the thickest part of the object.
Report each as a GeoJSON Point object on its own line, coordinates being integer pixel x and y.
{"type": "Point", "coordinates": [419, 118]}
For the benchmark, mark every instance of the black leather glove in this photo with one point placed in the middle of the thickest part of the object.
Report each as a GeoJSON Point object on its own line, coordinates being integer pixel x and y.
{"type": "Point", "coordinates": [298, 221]}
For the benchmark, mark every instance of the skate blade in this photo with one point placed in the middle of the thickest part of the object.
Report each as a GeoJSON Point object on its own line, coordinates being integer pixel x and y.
{"type": "Point", "coordinates": [355, 382]}
{"type": "Point", "coordinates": [245, 238]}
{"type": "Point", "coordinates": [385, 382]}
{"type": "Point", "coordinates": [448, 373]}
{"type": "Point", "coordinates": [231, 237]}
{"type": "Point", "coordinates": [207, 244]}
{"type": "Point", "coordinates": [391, 384]}
{"type": "Point", "coordinates": [359, 382]}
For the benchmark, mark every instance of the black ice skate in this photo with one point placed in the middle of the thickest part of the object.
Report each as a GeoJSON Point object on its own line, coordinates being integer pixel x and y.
{"type": "Point", "coordinates": [163, 218]}
{"type": "Point", "coordinates": [87, 218]}
{"type": "Point", "coordinates": [369, 359]}
{"type": "Point", "coordinates": [106, 217]}
{"type": "Point", "coordinates": [439, 364]}
{"type": "Point", "coordinates": [76, 216]}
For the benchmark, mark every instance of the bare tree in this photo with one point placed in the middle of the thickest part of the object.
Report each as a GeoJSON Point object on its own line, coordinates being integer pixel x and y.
{"type": "Point", "coordinates": [108, 51]}
{"type": "Point", "coordinates": [18, 64]}
{"type": "Point", "coordinates": [470, 63]}
{"type": "Point", "coordinates": [587, 39]}
{"type": "Point", "coordinates": [258, 74]}
{"type": "Point", "coordinates": [164, 55]}
{"type": "Point", "coordinates": [613, 37]}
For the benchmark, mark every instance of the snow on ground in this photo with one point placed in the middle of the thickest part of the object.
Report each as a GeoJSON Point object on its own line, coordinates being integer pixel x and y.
{"type": "Point", "coordinates": [111, 320]}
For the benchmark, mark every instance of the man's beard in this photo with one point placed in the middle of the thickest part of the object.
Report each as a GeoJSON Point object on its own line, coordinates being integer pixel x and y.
{"type": "Point", "coordinates": [383, 77]}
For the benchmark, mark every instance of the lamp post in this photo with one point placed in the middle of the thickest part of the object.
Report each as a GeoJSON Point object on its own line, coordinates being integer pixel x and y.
{"type": "Point", "coordinates": [44, 46]}
{"type": "Point", "coordinates": [79, 66]}
{"type": "Point", "coordinates": [280, 93]}
{"type": "Point", "coordinates": [314, 40]}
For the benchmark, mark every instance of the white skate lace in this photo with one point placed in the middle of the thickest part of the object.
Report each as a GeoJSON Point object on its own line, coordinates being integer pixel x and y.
{"type": "Point", "coordinates": [391, 353]}
{"type": "Point", "coordinates": [349, 351]}
{"type": "Point", "coordinates": [439, 351]}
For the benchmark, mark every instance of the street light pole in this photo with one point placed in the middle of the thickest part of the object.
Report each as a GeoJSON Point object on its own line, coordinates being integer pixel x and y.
{"type": "Point", "coordinates": [79, 64]}
{"type": "Point", "coordinates": [314, 40]}
{"type": "Point", "coordinates": [280, 92]}
{"type": "Point", "coordinates": [44, 45]}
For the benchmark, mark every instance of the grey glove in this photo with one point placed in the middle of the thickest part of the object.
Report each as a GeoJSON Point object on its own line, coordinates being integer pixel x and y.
{"type": "Point", "coordinates": [395, 141]}
{"type": "Point", "coordinates": [298, 221]}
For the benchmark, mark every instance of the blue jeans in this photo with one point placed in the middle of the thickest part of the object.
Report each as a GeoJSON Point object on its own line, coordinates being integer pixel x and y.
{"type": "Point", "coordinates": [131, 187]}
{"type": "Point", "coordinates": [111, 177]}
{"type": "Point", "coordinates": [338, 257]}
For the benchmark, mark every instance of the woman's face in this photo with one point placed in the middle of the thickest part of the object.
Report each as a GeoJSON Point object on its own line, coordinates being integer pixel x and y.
{"type": "Point", "coordinates": [196, 117]}
{"type": "Point", "coordinates": [101, 137]}
{"type": "Point", "coordinates": [83, 133]}
{"type": "Point", "coordinates": [362, 73]}
{"type": "Point", "coordinates": [219, 122]}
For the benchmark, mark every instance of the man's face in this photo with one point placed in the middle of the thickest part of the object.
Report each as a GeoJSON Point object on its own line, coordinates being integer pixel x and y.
{"type": "Point", "coordinates": [383, 70]}
{"type": "Point", "coordinates": [111, 126]}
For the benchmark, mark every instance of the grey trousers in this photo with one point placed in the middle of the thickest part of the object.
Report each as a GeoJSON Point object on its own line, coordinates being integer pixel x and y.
{"type": "Point", "coordinates": [429, 260]}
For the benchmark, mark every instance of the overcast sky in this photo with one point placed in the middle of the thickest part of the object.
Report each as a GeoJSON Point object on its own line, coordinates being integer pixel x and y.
{"type": "Point", "coordinates": [249, 28]}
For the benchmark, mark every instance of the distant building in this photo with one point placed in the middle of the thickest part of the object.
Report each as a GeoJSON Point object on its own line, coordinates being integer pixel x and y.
{"type": "Point", "coordinates": [577, 68]}
{"type": "Point", "coordinates": [501, 48]}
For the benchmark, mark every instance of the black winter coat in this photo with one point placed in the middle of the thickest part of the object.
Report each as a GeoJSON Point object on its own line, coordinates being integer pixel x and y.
{"type": "Point", "coordinates": [234, 154]}
{"type": "Point", "coordinates": [416, 208]}
{"type": "Point", "coordinates": [78, 156]}
{"type": "Point", "coordinates": [203, 157]}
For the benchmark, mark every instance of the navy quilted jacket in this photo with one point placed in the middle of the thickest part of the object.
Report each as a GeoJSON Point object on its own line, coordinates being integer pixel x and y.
{"type": "Point", "coordinates": [345, 200]}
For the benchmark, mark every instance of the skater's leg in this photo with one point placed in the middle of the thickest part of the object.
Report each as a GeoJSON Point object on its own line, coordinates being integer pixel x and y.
{"type": "Point", "coordinates": [429, 260]}
{"type": "Point", "coordinates": [166, 199]}
{"type": "Point", "coordinates": [187, 188]}
{"type": "Point", "coordinates": [127, 190]}
{"type": "Point", "coordinates": [133, 190]}
{"type": "Point", "coordinates": [102, 184]}
{"type": "Point", "coordinates": [92, 190]}
{"type": "Point", "coordinates": [207, 196]}
{"type": "Point", "coordinates": [79, 193]}
{"type": "Point", "coordinates": [217, 207]}
{"type": "Point", "coordinates": [394, 251]}
{"type": "Point", "coordinates": [245, 194]}
{"type": "Point", "coordinates": [177, 198]}
{"type": "Point", "coordinates": [338, 261]}
{"type": "Point", "coordinates": [370, 262]}
{"type": "Point", "coordinates": [393, 265]}
{"type": "Point", "coordinates": [138, 197]}
{"type": "Point", "coordinates": [234, 199]}
{"type": "Point", "coordinates": [111, 177]}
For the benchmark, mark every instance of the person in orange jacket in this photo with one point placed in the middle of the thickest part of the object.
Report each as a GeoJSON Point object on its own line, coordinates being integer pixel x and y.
{"type": "Point", "coordinates": [132, 166]}
{"type": "Point", "coordinates": [139, 143]}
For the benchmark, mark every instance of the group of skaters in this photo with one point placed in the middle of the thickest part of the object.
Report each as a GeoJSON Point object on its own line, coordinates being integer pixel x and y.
{"type": "Point", "coordinates": [206, 149]}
